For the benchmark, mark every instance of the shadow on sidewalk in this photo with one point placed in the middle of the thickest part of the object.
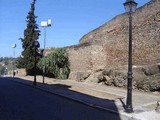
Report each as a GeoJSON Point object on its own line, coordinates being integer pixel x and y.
{"type": "Point", "coordinates": [104, 105]}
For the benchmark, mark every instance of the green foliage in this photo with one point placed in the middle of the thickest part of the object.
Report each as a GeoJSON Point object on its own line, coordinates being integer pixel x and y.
{"type": "Point", "coordinates": [20, 62]}
{"type": "Point", "coordinates": [2, 68]}
{"type": "Point", "coordinates": [6, 64]}
{"type": "Point", "coordinates": [31, 33]}
{"type": "Point", "coordinates": [57, 64]}
{"type": "Point", "coordinates": [150, 79]}
{"type": "Point", "coordinates": [7, 60]}
{"type": "Point", "coordinates": [149, 83]}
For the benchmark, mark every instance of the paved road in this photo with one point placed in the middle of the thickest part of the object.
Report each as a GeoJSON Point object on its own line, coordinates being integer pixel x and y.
{"type": "Point", "coordinates": [20, 102]}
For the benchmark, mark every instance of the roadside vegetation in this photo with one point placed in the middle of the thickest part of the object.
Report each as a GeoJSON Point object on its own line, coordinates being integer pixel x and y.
{"type": "Point", "coordinates": [57, 64]}
{"type": "Point", "coordinates": [145, 78]}
{"type": "Point", "coordinates": [31, 34]}
{"type": "Point", "coordinates": [6, 65]}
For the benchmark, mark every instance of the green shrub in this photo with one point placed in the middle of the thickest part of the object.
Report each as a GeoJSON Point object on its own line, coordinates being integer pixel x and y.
{"type": "Point", "coordinates": [149, 83]}
{"type": "Point", "coordinates": [57, 64]}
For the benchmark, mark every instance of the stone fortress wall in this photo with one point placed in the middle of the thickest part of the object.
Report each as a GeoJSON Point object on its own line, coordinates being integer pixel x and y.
{"type": "Point", "coordinates": [107, 46]}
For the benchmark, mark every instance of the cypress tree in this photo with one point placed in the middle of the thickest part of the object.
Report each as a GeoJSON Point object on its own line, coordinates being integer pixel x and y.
{"type": "Point", "coordinates": [31, 33]}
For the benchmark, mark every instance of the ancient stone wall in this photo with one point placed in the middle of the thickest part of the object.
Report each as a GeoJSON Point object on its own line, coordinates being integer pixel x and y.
{"type": "Point", "coordinates": [146, 36]}
{"type": "Point", "coordinates": [85, 60]}
{"type": "Point", "coordinates": [108, 44]}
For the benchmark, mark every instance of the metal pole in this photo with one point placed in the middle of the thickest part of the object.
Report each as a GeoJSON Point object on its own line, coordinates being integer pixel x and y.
{"type": "Point", "coordinates": [13, 60]}
{"type": "Point", "coordinates": [35, 71]}
{"type": "Point", "coordinates": [44, 61]}
{"type": "Point", "coordinates": [129, 107]}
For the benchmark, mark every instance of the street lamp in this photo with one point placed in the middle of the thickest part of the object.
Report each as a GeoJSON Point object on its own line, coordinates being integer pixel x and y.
{"type": "Point", "coordinates": [130, 7]}
{"type": "Point", "coordinates": [14, 46]}
{"type": "Point", "coordinates": [35, 45]}
{"type": "Point", "coordinates": [45, 24]}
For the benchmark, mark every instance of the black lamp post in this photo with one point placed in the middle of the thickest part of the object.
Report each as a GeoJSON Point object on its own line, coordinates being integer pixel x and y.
{"type": "Point", "coordinates": [35, 45]}
{"type": "Point", "coordinates": [130, 7]}
{"type": "Point", "coordinates": [14, 46]}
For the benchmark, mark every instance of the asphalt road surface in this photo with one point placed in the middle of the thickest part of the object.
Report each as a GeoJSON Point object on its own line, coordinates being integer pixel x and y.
{"type": "Point", "coordinates": [21, 102]}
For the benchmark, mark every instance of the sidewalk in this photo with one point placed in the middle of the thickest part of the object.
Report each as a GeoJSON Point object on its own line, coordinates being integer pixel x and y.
{"type": "Point", "coordinates": [100, 96]}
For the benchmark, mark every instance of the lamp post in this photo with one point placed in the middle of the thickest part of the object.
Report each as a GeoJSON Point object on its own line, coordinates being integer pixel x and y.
{"type": "Point", "coordinates": [130, 7]}
{"type": "Point", "coordinates": [14, 46]}
{"type": "Point", "coordinates": [35, 45]}
{"type": "Point", "coordinates": [45, 24]}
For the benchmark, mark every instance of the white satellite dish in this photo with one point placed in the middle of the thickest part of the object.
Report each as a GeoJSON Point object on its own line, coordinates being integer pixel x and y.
{"type": "Point", "coordinates": [14, 46]}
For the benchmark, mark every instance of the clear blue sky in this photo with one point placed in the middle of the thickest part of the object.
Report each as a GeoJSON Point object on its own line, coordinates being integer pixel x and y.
{"type": "Point", "coordinates": [71, 20]}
